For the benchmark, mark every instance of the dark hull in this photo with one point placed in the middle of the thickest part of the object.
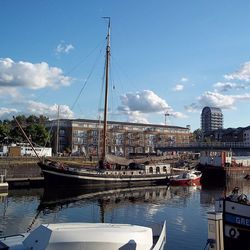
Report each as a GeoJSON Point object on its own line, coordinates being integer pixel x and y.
{"type": "Point", "coordinates": [236, 219]}
{"type": "Point", "coordinates": [211, 174]}
{"type": "Point", "coordinates": [61, 177]}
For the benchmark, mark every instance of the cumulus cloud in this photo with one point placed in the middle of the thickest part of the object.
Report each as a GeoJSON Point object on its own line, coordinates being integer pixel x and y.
{"type": "Point", "coordinates": [64, 48]}
{"type": "Point", "coordinates": [29, 75]}
{"type": "Point", "coordinates": [140, 104]}
{"type": "Point", "coordinates": [215, 99]}
{"type": "Point", "coordinates": [238, 80]}
{"type": "Point", "coordinates": [137, 117]}
{"type": "Point", "coordinates": [178, 87]}
{"type": "Point", "coordinates": [50, 111]}
{"type": "Point", "coordinates": [242, 74]}
{"type": "Point", "coordinates": [145, 101]}
{"type": "Point", "coordinates": [226, 86]}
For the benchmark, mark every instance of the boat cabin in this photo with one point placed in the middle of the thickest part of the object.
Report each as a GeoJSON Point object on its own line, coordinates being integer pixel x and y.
{"type": "Point", "coordinates": [216, 158]}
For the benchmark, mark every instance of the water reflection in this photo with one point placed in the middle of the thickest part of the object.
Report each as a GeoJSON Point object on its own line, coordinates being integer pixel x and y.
{"type": "Point", "coordinates": [184, 208]}
{"type": "Point", "coordinates": [210, 194]}
{"type": "Point", "coordinates": [107, 200]}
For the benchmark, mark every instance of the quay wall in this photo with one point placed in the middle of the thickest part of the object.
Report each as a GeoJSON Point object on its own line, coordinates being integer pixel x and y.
{"type": "Point", "coordinates": [26, 167]}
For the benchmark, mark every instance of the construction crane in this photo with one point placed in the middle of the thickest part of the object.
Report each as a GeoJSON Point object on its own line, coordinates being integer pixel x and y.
{"type": "Point", "coordinates": [166, 114]}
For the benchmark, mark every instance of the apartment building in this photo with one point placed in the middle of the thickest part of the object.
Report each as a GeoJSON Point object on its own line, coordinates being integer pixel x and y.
{"type": "Point", "coordinates": [84, 137]}
{"type": "Point", "coordinates": [211, 119]}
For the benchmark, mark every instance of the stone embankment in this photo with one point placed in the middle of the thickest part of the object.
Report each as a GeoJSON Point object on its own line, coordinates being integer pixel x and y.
{"type": "Point", "coordinates": [23, 170]}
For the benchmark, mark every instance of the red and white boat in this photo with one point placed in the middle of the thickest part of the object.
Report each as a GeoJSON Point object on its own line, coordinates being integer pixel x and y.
{"type": "Point", "coordinates": [190, 178]}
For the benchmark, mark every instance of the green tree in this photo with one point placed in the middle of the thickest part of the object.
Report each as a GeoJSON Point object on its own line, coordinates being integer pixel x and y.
{"type": "Point", "coordinates": [33, 126]}
{"type": "Point", "coordinates": [197, 134]}
{"type": "Point", "coordinates": [5, 129]}
{"type": "Point", "coordinates": [38, 134]}
{"type": "Point", "coordinates": [32, 119]}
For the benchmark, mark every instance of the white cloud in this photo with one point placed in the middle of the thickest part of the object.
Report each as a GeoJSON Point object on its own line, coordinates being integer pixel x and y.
{"type": "Point", "coordinates": [178, 87]}
{"type": "Point", "coordinates": [178, 115]}
{"type": "Point", "coordinates": [9, 92]}
{"type": "Point", "coordinates": [215, 99]}
{"type": "Point", "coordinates": [137, 117]}
{"type": "Point", "coordinates": [62, 47]}
{"type": "Point", "coordinates": [244, 97]}
{"type": "Point", "coordinates": [243, 74]}
{"type": "Point", "coordinates": [7, 113]}
{"type": "Point", "coordinates": [224, 86]}
{"type": "Point", "coordinates": [29, 75]}
{"type": "Point", "coordinates": [138, 105]}
{"type": "Point", "coordinates": [145, 101]}
{"type": "Point", "coordinates": [39, 108]}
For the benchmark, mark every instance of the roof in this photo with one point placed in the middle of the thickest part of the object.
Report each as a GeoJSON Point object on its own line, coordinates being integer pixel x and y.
{"type": "Point", "coordinates": [212, 110]}
{"type": "Point", "coordinates": [123, 123]}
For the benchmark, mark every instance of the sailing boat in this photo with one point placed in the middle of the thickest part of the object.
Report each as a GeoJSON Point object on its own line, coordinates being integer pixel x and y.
{"type": "Point", "coordinates": [111, 170]}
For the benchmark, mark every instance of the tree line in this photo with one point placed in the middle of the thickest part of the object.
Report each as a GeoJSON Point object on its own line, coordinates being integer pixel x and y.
{"type": "Point", "coordinates": [34, 127]}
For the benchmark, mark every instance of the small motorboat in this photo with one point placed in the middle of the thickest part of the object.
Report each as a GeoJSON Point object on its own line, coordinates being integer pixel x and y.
{"type": "Point", "coordinates": [190, 178]}
{"type": "Point", "coordinates": [88, 236]}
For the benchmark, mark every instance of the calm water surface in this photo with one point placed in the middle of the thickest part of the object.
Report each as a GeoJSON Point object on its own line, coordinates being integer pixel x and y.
{"type": "Point", "coordinates": [184, 208]}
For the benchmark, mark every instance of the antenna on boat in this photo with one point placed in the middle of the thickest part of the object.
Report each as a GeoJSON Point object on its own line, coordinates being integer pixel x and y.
{"type": "Point", "coordinates": [106, 89]}
{"type": "Point", "coordinates": [26, 137]}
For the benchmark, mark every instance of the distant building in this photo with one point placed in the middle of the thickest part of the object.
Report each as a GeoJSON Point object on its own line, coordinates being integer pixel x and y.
{"type": "Point", "coordinates": [23, 149]}
{"type": "Point", "coordinates": [211, 119]}
{"type": "Point", "coordinates": [238, 135]}
{"type": "Point", "coordinates": [246, 136]}
{"type": "Point", "coordinates": [85, 137]}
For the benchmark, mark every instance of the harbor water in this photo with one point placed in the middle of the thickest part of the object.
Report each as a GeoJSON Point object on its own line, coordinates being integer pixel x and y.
{"type": "Point", "coordinates": [183, 207]}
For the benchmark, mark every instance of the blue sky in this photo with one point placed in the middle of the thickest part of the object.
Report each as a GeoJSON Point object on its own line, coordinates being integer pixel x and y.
{"type": "Point", "coordinates": [167, 56]}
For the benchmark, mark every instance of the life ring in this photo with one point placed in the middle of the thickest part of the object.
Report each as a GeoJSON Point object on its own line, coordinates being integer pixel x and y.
{"type": "Point", "coordinates": [232, 232]}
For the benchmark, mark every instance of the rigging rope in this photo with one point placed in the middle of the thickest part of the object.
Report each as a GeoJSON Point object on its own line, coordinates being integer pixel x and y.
{"type": "Point", "coordinates": [73, 68]}
{"type": "Point", "coordinates": [86, 81]}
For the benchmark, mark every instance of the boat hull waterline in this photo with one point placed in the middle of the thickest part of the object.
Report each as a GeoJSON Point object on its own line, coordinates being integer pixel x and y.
{"type": "Point", "coordinates": [54, 176]}
{"type": "Point", "coordinates": [192, 178]}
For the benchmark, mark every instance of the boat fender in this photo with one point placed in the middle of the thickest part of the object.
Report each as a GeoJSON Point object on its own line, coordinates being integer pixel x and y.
{"type": "Point", "coordinates": [243, 199]}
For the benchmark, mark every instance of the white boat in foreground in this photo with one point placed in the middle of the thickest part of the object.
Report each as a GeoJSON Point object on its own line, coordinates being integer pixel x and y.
{"type": "Point", "coordinates": [88, 236]}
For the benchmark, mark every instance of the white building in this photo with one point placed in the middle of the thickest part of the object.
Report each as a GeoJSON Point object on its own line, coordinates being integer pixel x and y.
{"type": "Point", "coordinates": [28, 151]}
{"type": "Point", "coordinates": [3, 150]}
{"type": "Point", "coordinates": [25, 150]}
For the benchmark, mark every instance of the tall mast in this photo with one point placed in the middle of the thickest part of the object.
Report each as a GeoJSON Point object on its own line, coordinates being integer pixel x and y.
{"type": "Point", "coordinates": [106, 91]}
{"type": "Point", "coordinates": [57, 130]}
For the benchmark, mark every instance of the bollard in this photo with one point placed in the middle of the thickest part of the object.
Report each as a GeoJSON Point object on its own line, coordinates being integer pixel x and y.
{"type": "Point", "coordinates": [215, 231]}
